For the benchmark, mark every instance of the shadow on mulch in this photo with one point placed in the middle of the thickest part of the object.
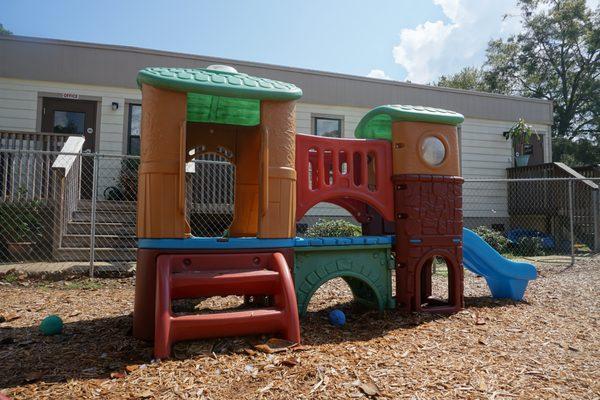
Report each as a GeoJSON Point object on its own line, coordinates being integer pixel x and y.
{"type": "Point", "coordinates": [86, 349]}
{"type": "Point", "coordinates": [364, 325]}
{"type": "Point", "coordinates": [93, 349]}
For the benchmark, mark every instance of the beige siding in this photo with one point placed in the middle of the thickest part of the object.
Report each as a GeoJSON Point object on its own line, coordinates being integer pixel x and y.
{"type": "Point", "coordinates": [19, 107]}
{"type": "Point", "coordinates": [485, 152]}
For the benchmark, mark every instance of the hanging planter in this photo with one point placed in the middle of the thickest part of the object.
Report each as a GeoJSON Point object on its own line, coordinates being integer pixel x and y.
{"type": "Point", "coordinates": [521, 134]}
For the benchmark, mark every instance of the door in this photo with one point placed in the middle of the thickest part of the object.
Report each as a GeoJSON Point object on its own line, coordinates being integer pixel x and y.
{"type": "Point", "coordinates": [76, 118]}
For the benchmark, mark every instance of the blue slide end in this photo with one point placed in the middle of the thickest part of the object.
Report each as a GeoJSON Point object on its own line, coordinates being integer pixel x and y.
{"type": "Point", "coordinates": [506, 279]}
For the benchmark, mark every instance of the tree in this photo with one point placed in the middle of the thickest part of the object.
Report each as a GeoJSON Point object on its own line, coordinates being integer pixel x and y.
{"type": "Point", "coordinates": [4, 31]}
{"type": "Point", "coordinates": [468, 78]}
{"type": "Point", "coordinates": [555, 57]}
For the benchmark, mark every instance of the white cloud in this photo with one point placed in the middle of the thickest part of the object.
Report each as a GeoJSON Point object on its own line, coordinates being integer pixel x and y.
{"type": "Point", "coordinates": [378, 74]}
{"type": "Point", "coordinates": [434, 48]}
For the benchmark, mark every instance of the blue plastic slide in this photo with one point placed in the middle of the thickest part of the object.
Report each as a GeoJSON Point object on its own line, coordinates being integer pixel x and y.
{"type": "Point", "coordinates": [505, 278]}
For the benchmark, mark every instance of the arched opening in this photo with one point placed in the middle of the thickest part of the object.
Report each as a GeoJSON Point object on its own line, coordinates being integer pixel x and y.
{"type": "Point", "coordinates": [348, 292]}
{"type": "Point", "coordinates": [437, 278]}
{"type": "Point", "coordinates": [326, 211]}
{"type": "Point", "coordinates": [210, 191]}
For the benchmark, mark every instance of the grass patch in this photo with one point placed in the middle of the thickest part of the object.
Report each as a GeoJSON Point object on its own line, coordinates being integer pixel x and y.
{"type": "Point", "coordinates": [10, 277]}
{"type": "Point", "coordinates": [87, 284]}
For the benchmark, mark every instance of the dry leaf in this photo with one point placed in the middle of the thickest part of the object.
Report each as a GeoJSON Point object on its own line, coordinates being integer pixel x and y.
{"type": "Point", "coordinates": [274, 345]}
{"type": "Point", "coordinates": [117, 375]}
{"type": "Point", "coordinates": [369, 388]}
{"type": "Point", "coordinates": [131, 368]}
{"type": "Point", "coordinates": [144, 394]}
{"type": "Point", "coordinates": [266, 388]}
{"type": "Point", "coordinates": [290, 362]}
{"type": "Point", "coordinates": [11, 317]}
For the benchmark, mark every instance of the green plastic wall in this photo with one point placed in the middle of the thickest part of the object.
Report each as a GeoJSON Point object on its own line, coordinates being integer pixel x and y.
{"type": "Point", "coordinates": [366, 269]}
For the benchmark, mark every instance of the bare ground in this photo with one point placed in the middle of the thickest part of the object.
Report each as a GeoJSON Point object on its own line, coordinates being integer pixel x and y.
{"type": "Point", "coordinates": [546, 347]}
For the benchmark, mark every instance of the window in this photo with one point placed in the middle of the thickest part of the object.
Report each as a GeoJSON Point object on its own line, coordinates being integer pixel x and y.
{"type": "Point", "coordinates": [133, 129]}
{"type": "Point", "coordinates": [327, 126]}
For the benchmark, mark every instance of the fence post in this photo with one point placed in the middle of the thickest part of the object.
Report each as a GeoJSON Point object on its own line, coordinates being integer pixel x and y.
{"type": "Point", "coordinates": [571, 230]}
{"type": "Point", "coordinates": [596, 214]}
{"type": "Point", "coordinates": [93, 216]}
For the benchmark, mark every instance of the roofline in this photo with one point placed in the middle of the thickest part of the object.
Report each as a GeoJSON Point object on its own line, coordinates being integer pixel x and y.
{"type": "Point", "coordinates": [107, 65]}
{"type": "Point", "coordinates": [144, 50]}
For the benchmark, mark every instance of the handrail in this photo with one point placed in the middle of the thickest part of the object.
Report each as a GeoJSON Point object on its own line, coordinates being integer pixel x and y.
{"type": "Point", "coordinates": [67, 170]}
{"type": "Point", "coordinates": [535, 172]}
{"type": "Point", "coordinates": [32, 140]}
{"type": "Point", "coordinates": [69, 153]}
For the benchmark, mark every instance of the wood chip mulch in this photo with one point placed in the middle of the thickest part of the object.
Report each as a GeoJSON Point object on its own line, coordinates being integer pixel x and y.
{"type": "Point", "coordinates": [546, 347]}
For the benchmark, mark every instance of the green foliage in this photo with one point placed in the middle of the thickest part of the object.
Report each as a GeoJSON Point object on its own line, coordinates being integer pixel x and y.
{"type": "Point", "coordinates": [529, 246]}
{"type": "Point", "coordinates": [555, 57]}
{"type": "Point", "coordinates": [492, 237]}
{"type": "Point", "coordinates": [575, 153]}
{"type": "Point", "coordinates": [468, 78]}
{"type": "Point", "coordinates": [4, 31]}
{"type": "Point", "coordinates": [333, 228]}
{"type": "Point", "coordinates": [521, 134]}
{"type": "Point", "coordinates": [20, 221]}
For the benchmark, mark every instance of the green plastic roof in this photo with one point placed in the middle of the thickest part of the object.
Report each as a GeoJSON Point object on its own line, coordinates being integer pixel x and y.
{"type": "Point", "coordinates": [377, 123]}
{"type": "Point", "coordinates": [218, 83]}
{"type": "Point", "coordinates": [222, 96]}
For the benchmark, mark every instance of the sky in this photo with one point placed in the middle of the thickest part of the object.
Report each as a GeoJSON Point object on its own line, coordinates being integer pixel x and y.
{"type": "Point", "coordinates": [416, 40]}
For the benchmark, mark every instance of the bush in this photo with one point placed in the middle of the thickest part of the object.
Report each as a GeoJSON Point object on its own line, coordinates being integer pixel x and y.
{"type": "Point", "coordinates": [333, 228]}
{"type": "Point", "coordinates": [529, 246]}
{"type": "Point", "coordinates": [21, 221]}
{"type": "Point", "coordinates": [494, 238]}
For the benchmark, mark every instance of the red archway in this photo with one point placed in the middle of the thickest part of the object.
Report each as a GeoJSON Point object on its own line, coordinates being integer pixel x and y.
{"type": "Point", "coordinates": [350, 173]}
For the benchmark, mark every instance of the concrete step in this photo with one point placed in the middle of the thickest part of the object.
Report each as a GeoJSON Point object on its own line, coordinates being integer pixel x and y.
{"type": "Point", "coordinates": [100, 254]}
{"type": "Point", "coordinates": [101, 241]}
{"type": "Point", "coordinates": [102, 228]}
{"type": "Point", "coordinates": [106, 205]}
{"type": "Point", "coordinates": [128, 217]}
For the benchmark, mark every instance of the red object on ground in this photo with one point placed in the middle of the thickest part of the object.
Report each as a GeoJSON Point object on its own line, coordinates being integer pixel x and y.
{"type": "Point", "coordinates": [429, 223]}
{"type": "Point", "coordinates": [351, 173]}
{"type": "Point", "coordinates": [202, 275]}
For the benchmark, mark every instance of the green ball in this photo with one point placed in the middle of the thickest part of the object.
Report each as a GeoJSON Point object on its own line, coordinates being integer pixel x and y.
{"type": "Point", "coordinates": [51, 325]}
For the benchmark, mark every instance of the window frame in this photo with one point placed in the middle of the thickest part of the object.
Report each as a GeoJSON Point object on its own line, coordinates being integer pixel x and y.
{"type": "Point", "coordinates": [128, 135]}
{"type": "Point", "coordinates": [331, 117]}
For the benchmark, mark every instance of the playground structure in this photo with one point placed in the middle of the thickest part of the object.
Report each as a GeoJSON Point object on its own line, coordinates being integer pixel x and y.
{"type": "Point", "coordinates": [400, 178]}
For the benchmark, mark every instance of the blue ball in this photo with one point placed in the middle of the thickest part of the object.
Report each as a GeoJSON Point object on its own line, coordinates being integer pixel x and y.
{"type": "Point", "coordinates": [337, 318]}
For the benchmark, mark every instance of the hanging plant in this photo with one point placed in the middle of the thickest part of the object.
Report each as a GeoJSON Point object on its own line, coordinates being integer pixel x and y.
{"type": "Point", "coordinates": [521, 134]}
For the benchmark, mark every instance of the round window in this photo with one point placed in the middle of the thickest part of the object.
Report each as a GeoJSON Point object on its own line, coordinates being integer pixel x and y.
{"type": "Point", "coordinates": [433, 150]}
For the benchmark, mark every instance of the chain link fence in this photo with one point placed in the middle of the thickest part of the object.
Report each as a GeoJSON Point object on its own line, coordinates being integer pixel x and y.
{"type": "Point", "coordinates": [76, 212]}
{"type": "Point", "coordinates": [535, 217]}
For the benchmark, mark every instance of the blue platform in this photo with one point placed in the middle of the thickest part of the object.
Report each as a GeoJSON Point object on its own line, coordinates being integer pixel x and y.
{"type": "Point", "coordinates": [210, 243]}
{"type": "Point", "coordinates": [505, 278]}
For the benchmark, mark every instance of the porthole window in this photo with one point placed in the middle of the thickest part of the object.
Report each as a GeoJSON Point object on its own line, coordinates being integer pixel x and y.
{"type": "Point", "coordinates": [433, 150]}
